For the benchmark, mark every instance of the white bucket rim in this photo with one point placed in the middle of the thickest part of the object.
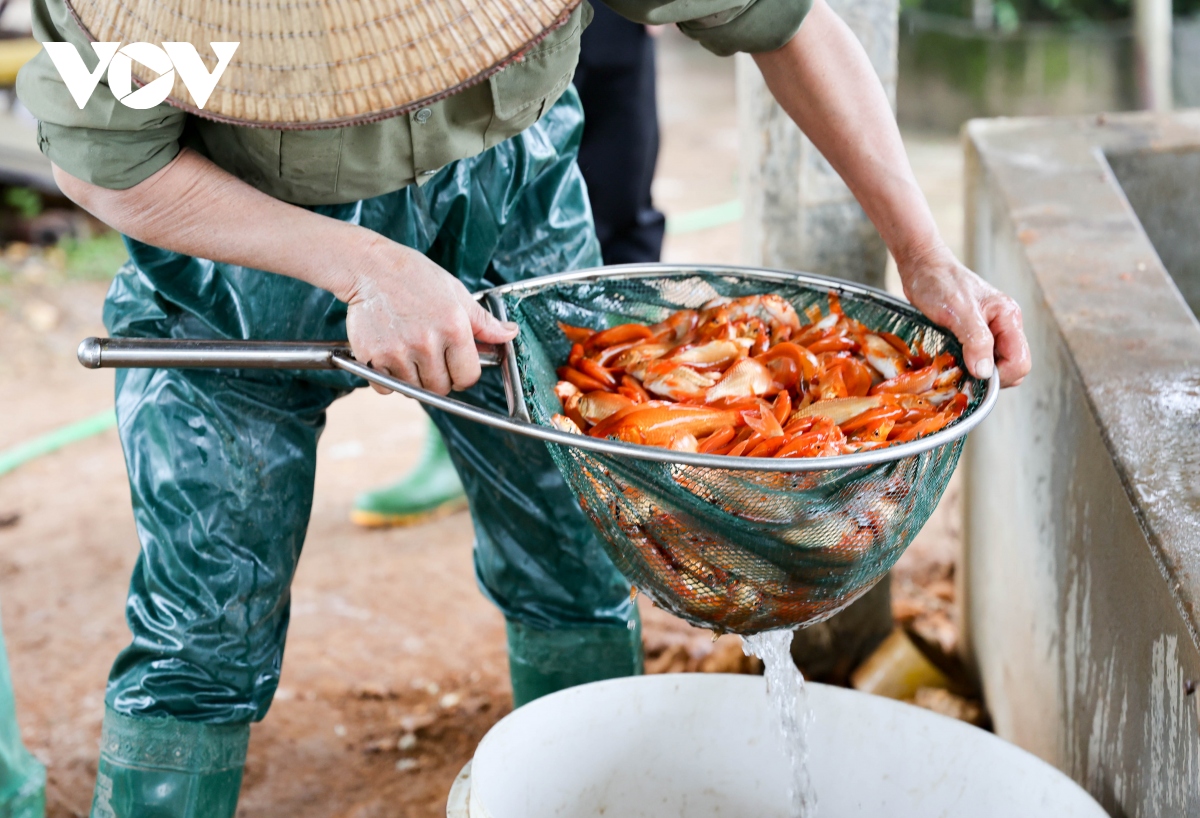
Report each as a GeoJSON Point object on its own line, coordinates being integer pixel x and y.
{"type": "Point", "coordinates": [460, 804]}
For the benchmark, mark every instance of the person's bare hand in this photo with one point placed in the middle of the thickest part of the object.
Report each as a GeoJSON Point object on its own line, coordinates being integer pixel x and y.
{"type": "Point", "coordinates": [986, 321]}
{"type": "Point", "coordinates": [411, 319]}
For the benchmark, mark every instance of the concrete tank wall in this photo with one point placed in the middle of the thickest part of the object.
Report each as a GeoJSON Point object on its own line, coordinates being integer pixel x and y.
{"type": "Point", "coordinates": [1083, 487]}
{"type": "Point", "coordinates": [951, 71]}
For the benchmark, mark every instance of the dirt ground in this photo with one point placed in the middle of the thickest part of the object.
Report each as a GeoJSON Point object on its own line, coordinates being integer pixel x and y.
{"type": "Point", "coordinates": [395, 663]}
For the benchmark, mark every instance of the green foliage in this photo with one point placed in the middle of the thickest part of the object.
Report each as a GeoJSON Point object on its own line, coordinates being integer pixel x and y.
{"type": "Point", "coordinates": [94, 259]}
{"type": "Point", "coordinates": [28, 203]}
{"type": "Point", "coordinates": [1009, 14]}
{"type": "Point", "coordinates": [1060, 11]}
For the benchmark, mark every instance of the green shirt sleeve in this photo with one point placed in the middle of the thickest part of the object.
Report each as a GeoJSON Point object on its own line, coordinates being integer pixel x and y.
{"type": "Point", "coordinates": [105, 143]}
{"type": "Point", "coordinates": [724, 27]}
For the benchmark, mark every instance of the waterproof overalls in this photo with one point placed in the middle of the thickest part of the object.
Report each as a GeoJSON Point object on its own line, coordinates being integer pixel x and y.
{"type": "Point", "coordinates": [221, 463]}
{"type": "Point", "coordinates": [22, 777]}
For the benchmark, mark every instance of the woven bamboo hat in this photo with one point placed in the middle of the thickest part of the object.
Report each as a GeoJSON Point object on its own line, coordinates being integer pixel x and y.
{"type": "Point", "coordinates": [328, 63]}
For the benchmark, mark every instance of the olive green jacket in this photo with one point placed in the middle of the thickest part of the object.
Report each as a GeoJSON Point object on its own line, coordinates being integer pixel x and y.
{"type": "Point", "coordinates": [116, 147]}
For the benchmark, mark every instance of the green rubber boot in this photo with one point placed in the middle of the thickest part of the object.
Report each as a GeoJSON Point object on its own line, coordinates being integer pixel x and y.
{"type": "Point", "coordinates": [163, 768]}
{"type": "Point", "coordinates": [22, 777]}
{"type": "Point", "coordinates": [541, 662]}
{"type": "Point", "coordinates": [431, 490]}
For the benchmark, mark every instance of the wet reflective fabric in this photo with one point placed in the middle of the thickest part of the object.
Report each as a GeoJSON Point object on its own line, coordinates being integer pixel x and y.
{"type": "Point", "coordinates": [163, 768]}
{"type": "Point", "coordinates": [536, 657]}
{"type": "Point", "coordinates": [22, 777]}
{"type": "Point", "coordinates": [221, 463]}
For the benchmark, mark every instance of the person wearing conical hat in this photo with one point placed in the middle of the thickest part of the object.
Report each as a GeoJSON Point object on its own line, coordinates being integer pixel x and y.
{"type": "Point", "coordinates": [358, 169]}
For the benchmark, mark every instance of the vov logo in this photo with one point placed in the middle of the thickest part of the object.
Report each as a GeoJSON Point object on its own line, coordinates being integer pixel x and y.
{"type": "Point", "coordinates": [165, 61]}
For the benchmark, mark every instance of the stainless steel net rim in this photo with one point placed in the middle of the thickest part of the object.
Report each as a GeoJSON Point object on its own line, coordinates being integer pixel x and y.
{"type": "Point", "coordinates": [649, 453]}
{"type": "Point", "coordinates": [233, 354]}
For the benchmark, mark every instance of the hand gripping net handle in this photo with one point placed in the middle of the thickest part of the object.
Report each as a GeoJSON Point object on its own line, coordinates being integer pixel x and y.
{"type": "Point", "coordinates": [96, 353]}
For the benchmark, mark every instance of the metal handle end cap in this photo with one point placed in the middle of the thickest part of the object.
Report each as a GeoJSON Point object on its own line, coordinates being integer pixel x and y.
{"type": "Point", "coordinates": [89, 353]}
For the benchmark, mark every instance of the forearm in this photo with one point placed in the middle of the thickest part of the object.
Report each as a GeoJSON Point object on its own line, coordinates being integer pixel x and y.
{"type": "Point", "coordinates": [405, 315]}
{"type": "Point", "coordinates": [193, 207]}
{"type": "Point", "coordinates": [825, 81]}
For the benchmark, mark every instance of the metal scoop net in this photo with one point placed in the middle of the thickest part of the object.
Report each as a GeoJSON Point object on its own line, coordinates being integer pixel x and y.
{"type": "Point", "coordinates": [738, 544]}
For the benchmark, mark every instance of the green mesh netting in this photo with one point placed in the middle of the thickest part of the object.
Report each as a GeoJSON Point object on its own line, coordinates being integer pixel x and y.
{"type": "Point", "coordinates": [735, 550]}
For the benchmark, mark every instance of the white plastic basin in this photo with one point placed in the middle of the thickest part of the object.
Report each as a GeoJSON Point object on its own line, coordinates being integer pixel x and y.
{"type": "Point", "coordinates": [705, 746]}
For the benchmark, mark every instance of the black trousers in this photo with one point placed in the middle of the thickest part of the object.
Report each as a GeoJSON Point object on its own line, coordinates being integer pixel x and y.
{"type": "Point", "coordinates": [615, 79]}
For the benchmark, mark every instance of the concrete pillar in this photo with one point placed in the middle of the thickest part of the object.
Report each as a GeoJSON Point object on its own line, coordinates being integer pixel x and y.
{"type": "Point", "coordinates": [1152, 49]}
{"type": "Point", "coordinates": [798, 214]}
{"type": "Point", "coordinates": [983, 13]}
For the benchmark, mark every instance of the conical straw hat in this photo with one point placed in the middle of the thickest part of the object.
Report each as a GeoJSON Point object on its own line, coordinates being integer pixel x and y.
{"type": "Point", "coordinates": [317, 64]}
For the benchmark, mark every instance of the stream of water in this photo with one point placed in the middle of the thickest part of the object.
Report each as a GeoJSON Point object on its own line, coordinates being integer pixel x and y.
{"type": "Point", "coordinates": [789, 700]}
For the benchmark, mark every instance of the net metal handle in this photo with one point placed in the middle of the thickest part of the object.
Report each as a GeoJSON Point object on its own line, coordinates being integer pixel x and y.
{"type": "Point", "coordinates": [173, 353]}
{"type": "Point", "coordinates": [179, 353]}
{"type": "Point", "coordinates": [104, 353]}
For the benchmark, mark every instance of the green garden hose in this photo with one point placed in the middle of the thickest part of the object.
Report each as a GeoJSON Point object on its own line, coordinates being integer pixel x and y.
{"type": "Point", "coordinates": [22, 453]}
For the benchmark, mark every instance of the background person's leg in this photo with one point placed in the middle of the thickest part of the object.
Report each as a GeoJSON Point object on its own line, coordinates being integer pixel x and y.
{"type": "Point", "coordinates": [619, 149]}
{"type": "Point", "coordinates": [221, 469]}
{"type": "Point", "coordinates": [429, 490]}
